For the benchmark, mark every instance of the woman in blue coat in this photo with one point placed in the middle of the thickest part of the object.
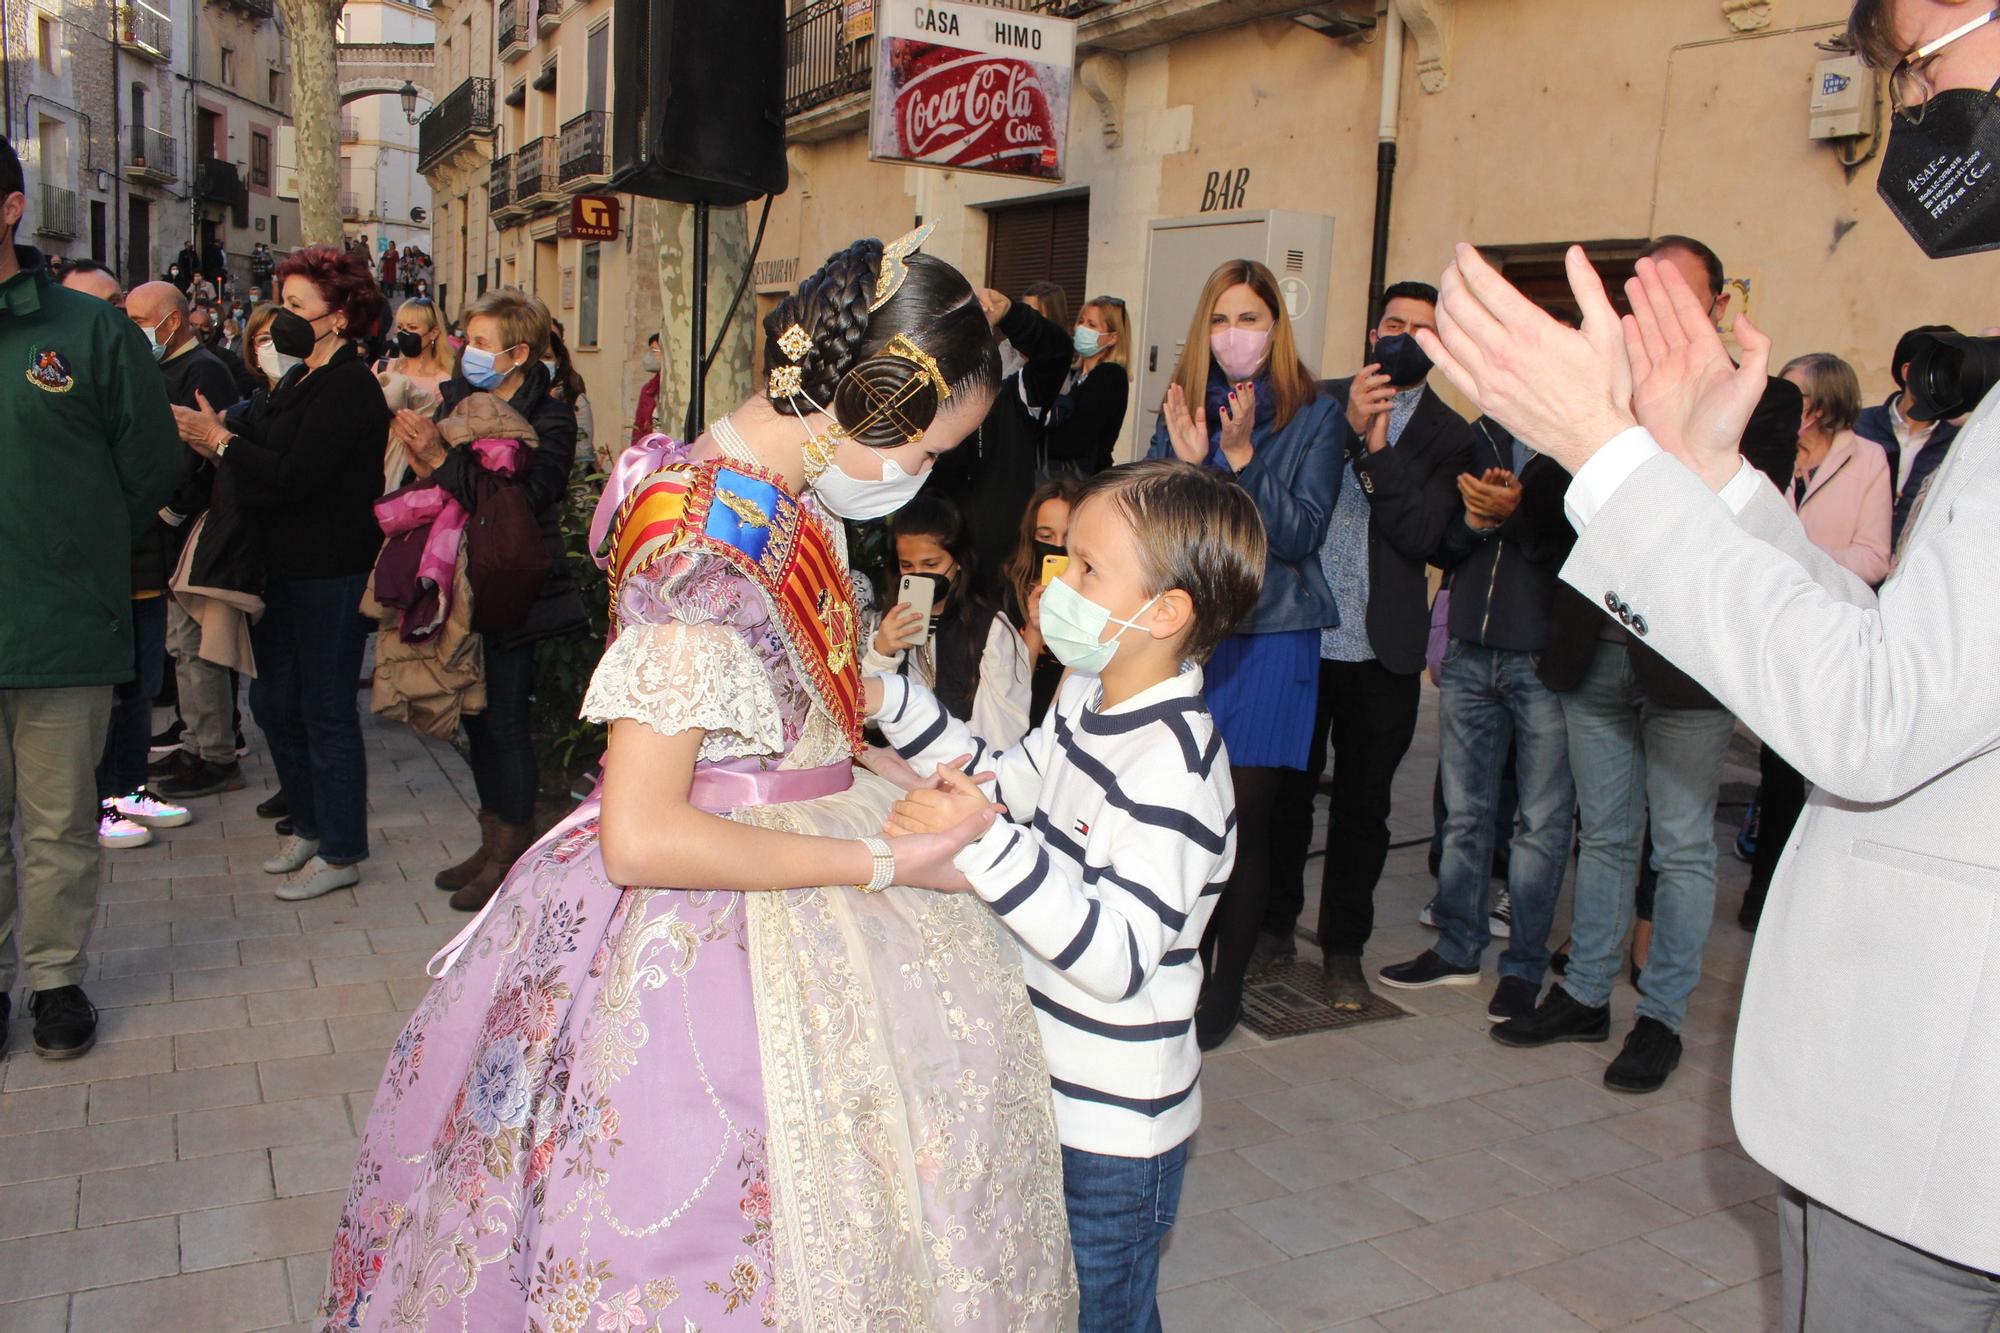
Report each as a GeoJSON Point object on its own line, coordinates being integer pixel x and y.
{"type": "Point", "coordinates": [1243, 402]}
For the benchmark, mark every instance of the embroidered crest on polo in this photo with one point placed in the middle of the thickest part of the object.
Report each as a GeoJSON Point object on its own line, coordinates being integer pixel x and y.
{"type": "Point", "coordinates": [49, 370]}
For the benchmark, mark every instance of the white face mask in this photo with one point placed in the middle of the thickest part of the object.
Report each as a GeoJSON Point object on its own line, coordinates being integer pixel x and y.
{"type": "Point", "coordinates": [275, 363]}
{"type": "Point", "coordinates": [850, 497]}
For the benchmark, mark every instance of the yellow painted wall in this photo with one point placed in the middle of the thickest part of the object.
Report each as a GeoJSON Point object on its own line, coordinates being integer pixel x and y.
{"type": "Point", "coordinates": [1563, 120]}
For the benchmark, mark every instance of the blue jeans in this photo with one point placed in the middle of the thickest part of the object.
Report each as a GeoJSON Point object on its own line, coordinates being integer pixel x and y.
{"type": "Point", "coordinates": [1632, 757]}
{"type": "Point", "coordinates": [503, 753]}
{"type": "Point", "coordinates": [308, 644]}
{"type": "Point", "coordinates": [1488, 696]}
{"type": "Point", "coordinates": [1120, 1209]}
{"type": "Point", "coordinates": [122, 770]}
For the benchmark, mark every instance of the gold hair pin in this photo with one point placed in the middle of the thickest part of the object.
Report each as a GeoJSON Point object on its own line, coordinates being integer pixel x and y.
{"type": "Point", "coordinates": [895, 267]}
{"type": "Point", "coordinates": [901, 346]}
{"type": "Point", "coordinates": [786, 381]}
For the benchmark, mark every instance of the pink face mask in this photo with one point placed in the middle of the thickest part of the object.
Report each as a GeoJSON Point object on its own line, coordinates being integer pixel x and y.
{"type": "Point", "coordinates": [1240, 352]}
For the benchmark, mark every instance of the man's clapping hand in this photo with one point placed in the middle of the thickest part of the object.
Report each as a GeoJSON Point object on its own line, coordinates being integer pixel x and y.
{"type": "Point", "coordinates": [1490, 499]}
{"type": "Point", "coordinates": [1685, 389]}
{"type": "Point", "coordinates": [1369, 398]}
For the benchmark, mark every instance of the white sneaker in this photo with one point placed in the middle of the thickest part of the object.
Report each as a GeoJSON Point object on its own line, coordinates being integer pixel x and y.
{"type": "Point", "coordinates": [142, 807]}
{"type": "Point", "coordinates": [316, 877]}
{"type": "Point", "coordinates": [1427, 917]}
{"type": "Point", "coordinates": [293, 852]}
{"type": "Point", "coordinates": [1500, 921]}
{"type": "Point", "coordinates": [117, 832]}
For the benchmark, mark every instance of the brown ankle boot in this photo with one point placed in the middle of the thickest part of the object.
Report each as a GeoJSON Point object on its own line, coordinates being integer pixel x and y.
{"type": "Point", "coordinates": [462, 874]}
{"type": "Point", "coordinates": [509, 841]}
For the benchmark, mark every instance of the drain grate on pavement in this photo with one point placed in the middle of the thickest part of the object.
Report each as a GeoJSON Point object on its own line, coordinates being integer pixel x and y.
{"type": "Point", "coordinates": [1290, 1000]}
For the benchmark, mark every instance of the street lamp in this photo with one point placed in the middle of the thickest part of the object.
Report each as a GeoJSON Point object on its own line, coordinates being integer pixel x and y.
{"type": "Point", "coordinates": [408, 93]}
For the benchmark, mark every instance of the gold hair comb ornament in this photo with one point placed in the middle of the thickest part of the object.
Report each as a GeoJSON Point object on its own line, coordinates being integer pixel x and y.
{"type": "Point", "coordinates": [890, 406]}
{"type": "Point", "coordinates": [895, 268]}
{"type": "Point", "coordinates": [786, 381]}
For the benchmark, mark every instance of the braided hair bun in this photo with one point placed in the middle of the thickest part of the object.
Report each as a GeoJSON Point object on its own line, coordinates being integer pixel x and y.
{"type": "Point", "coordinates": [879, 399]}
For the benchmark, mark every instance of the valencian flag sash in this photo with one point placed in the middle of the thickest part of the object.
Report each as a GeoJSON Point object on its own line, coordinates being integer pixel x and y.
{"type": "Point", "coordinates": [744, 514]}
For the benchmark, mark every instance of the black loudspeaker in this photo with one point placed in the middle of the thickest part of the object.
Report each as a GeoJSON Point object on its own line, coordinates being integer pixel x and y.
{"type": "Point", "coordinates": [698, 103]}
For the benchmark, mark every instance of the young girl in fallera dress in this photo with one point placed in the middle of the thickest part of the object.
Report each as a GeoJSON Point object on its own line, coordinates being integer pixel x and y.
{"type": "Point", "coordinates": [702, 1106]}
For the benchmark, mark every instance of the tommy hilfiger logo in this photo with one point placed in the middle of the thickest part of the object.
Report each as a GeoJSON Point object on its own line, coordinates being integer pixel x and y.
{"type": "Point", "coordinates": [1082, 828]}
{"type": "Point", "coordinates": [49, 370]}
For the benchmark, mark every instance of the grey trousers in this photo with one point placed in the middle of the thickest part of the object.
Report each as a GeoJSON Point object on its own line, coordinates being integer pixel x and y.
{"type": "Point", "coordinates": [1839, 1275]}
{"type": "Point", "coordinates": [206, 702]}
{"type": "Point", "coordinates": [50, 742]}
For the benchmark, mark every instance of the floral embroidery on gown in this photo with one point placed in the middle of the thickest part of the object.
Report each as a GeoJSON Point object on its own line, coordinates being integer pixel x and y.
{"type": "Point", "coordinates": [661, 1109]}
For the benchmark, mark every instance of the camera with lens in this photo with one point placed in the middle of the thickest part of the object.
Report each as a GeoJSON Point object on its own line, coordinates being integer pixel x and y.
{"type": "Point", "coordinates": [1949, 373]}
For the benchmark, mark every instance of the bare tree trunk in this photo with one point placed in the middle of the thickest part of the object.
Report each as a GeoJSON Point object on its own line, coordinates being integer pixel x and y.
{"type": "Point", "coordinates": [729, 379]}
{"type": "Point", "coordinates": [315, 116]}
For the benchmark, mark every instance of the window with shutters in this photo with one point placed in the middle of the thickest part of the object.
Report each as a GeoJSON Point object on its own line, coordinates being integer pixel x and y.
{"type": "Point", "coordinates": [1040, 241]}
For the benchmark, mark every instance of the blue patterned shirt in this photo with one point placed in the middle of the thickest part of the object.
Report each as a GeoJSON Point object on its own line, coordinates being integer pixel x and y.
{"type": "Point", "coordinates": [1344, 554]}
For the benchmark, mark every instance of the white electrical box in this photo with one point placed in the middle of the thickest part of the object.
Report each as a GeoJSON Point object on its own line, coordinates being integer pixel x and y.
{"type": "Point", "coordinates": [1182, 252]}
{"type": "Point", "coordinates": [1843, 99]}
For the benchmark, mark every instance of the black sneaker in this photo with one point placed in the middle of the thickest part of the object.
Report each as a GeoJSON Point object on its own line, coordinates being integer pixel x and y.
{"type": "Point", "coordinates": [1557, 1018]}
{"type": "Point", "coordinates": [275, 806]}
{"type": "Point", "coordinates": [65, 1022]}
{"type": "Point", "coordinates": [1346, 984]}
{"type": "Point", "coordinates": [204, 779]}
{"type": "Point", "coordinates": [6, 1012]}
{"type": "Point", "coordinates": [1652, 1049]}
{"type": "Point", "coordinates": [1513, 998]}
{"type": "Point", "coordinates": [168, 740]}
{"type": "Point", "coordinates": [171, 767]}
{"type": "Point", "coordinates": [1427, 969]}
{"type": "Point", "coordinates": [285, 828]}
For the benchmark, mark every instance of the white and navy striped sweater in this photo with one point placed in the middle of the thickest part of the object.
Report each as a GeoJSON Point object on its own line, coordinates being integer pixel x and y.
{"type": "Point", "coordinates": [1122, 831]}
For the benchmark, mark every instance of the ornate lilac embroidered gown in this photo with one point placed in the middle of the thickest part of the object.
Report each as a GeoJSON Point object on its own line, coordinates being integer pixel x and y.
{"type": "Point", "coordinates": [661, 1109]}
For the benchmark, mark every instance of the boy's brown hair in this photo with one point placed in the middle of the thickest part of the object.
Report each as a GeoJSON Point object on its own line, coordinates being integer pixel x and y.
{"type": "Point", "coordinates": [1196, 530]}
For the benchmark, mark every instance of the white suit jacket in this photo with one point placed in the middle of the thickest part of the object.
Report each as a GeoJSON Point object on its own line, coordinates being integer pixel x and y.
{"type": "Point", "coordinates": [1868, 1050]}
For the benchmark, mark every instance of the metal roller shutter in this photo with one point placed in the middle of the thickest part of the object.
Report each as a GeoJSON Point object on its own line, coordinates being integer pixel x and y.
{"type": "Point", "coordinates": [1032, 242]}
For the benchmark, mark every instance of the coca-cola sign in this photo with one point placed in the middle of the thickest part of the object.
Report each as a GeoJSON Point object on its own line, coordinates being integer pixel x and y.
{"type": "Point", "coordinates": [972, 88]}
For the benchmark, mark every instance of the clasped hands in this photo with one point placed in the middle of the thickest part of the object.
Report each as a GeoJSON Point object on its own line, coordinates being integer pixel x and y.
{"type": "Point", "coordinates": [937, 818]}
{"type": "Point", "coordinates": [1569, 392]}
{"type": "Point", "coordinates": [1187, 430]}
{"type": "Point", "coordinates": [418, 434]}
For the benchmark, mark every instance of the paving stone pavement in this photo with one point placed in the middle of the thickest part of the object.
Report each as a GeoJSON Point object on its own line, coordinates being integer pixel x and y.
{"type": "Point", "coordinates": [186, 1174]}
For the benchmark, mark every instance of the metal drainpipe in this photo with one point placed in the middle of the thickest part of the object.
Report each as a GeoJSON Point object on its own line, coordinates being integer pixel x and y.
{"type": "Point", "coordinates": [6, 73]}
{"type": "Point", "coordinates": [118, 255]}
{"type": "Point", "coordinates": [1385, 155]}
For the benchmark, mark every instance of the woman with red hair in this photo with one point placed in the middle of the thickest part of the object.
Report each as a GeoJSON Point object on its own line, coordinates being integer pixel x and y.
{"type": "Point", "coordinates": [307, 470]}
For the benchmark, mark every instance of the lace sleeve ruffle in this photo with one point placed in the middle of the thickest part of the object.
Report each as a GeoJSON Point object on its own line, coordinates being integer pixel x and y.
{"type": "Point", "coordinates": [676, 677]}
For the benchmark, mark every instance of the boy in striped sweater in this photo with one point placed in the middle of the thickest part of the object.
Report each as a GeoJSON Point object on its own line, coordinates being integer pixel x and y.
{"type": "Point", "coordinates": [1119, 835]}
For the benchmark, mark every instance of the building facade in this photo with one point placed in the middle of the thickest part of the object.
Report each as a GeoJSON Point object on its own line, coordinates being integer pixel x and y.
{"type": "Point", "coordinates": [382, 194]}
{"type": "Point", "coordinates": [1523, 125]}
{"type": "Point", "coordinates": [239, 98]}
{"type": "Point", "coordinates": [455, 148]}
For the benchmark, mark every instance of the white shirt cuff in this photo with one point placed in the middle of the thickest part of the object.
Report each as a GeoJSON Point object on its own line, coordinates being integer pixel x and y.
{"type": "Point", "coordinates": [1742, 488]}
{"type": "Point", "coordinates": [1591, 489]}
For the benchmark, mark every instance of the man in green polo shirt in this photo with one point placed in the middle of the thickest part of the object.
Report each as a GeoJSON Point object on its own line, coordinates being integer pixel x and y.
{"type": "Point", "coordinates": [88, 454]}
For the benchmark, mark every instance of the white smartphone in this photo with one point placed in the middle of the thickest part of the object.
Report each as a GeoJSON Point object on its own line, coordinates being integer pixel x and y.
{"type": "Point", "coordinates": [919, 591]}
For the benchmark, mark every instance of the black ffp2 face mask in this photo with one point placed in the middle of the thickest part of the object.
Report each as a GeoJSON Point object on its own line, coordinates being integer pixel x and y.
{"type": "Point", "coordinates": [408, 343]}
{"type": "Point", "coordinates": [1941, 177]}
{"type": "Point", "coordinates": [291, 335]}
{"type": "Point", "coordinates": [1402, 360]}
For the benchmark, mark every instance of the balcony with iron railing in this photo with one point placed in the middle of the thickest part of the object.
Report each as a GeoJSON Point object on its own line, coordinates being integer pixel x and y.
{"type": "Point", "coordinates": [150, 156]}
{"type": "Point", "coordinates": [145, 31]}
{"type": "Point", "coordinates": [58, 215]}
{"type": "Point", "coordinates": [466, 111]}
{"type": "Point", "coordinates": [216, 181]}
{"type": "Point", "coordinates": [510, 29]}
{"type": "Point", "coordinates": [256, 9]}
{"type": "Point", "coordinates": [500, 187]}
{"type": "Point", "coordinates": [548, 13]}
{"type": "Point", "coordinates": [580, 156]}
{"type": "Point", "coordinates": [350, 205]}
{"type": "Point", "coordinates": [350, 129]}
{"type": "Point", "coordinates": [534, 169]}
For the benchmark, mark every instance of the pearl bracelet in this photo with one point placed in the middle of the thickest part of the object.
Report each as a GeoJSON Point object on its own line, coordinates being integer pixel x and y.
{"type": "Point", "coordinates": [885, 866]}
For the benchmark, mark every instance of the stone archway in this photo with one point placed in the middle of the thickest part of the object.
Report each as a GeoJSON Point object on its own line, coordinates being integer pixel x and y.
{"type": "Point", "coordinates": [370, 69]}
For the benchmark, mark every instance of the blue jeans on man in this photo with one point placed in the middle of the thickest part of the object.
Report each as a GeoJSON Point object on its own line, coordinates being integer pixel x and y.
{"type": "Point", "coordinates": [127, 747]}
{"type": "Point", "coordinates": [1632, 757]}
{"type": "Point", "coordinates": [1120, 1209]}
{"type": "Point", "coordinates": [1487, 697]}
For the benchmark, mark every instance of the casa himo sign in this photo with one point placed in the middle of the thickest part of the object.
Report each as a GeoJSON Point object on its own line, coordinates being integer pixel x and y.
{"type": "Point", "coordinates": [971, 88]}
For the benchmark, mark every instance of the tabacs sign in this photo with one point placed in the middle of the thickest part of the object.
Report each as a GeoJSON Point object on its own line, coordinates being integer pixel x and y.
{"type": "Point", "coordinates": [592, 217]}
{"type": "Point", "coordinates": [971, 88]}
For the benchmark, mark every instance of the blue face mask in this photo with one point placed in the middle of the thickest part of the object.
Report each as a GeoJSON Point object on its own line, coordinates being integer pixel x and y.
{"type": "Point", "coordinates": [476, 364]}
{"type": "Point", "coordinates": [1073, 627]}
{"type": "Point", "coordinates": [153, 340]}
{"type": "Point", "coordinates": [1088, 341]}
